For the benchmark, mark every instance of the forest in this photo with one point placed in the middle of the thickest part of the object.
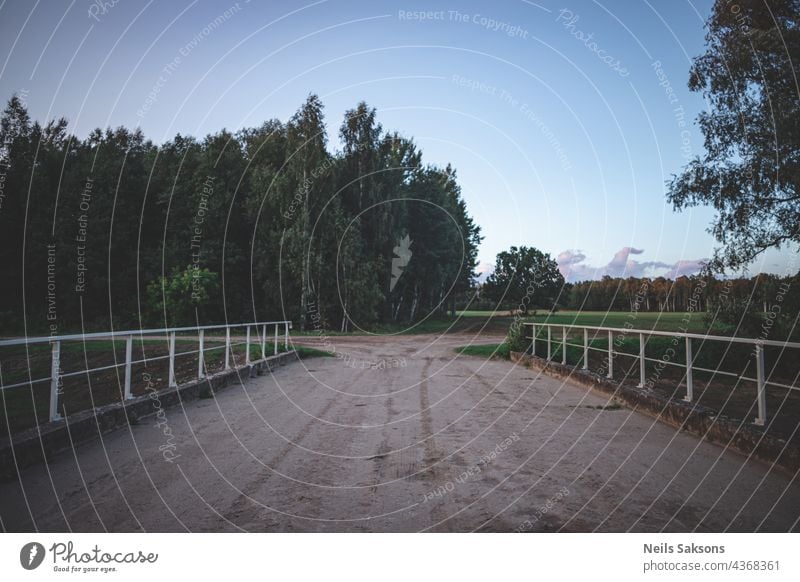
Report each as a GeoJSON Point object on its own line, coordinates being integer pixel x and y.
{"type": "Point", "coordinates": [266, 223]}
{"type": "Point", "coordinates": [746, 304]}
{"type": "Point", "coordinates": [694, 293]}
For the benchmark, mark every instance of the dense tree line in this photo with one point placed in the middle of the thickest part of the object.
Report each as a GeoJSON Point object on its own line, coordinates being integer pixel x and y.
{"type": "Point", "coordinates": [265, 223]}
{"type": "Point", "coordinates": [695, 293]}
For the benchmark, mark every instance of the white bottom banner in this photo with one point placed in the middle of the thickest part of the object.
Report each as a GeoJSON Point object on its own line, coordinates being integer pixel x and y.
{"type": "Point", "coordinates": [349, 557]}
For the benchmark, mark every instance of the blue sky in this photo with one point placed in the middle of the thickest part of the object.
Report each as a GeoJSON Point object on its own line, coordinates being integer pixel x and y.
{"type": "Point", "coordinates": [563, 120]}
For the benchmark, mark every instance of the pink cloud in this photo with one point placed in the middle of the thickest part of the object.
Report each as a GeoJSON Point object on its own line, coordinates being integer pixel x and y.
{"type": "Point", "coordinates": [484, 270]}
{"type": "Point", "coordinates": [569, 257]}
{"type": "Point", "coordinates": [621, 263]}
{"type": "Point", "coordinates": [685, 268]}
{"type": "Point", "coordinates": [572, 265]}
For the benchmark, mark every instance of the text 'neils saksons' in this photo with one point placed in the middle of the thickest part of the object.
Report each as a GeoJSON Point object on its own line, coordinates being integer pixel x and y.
{"type": "Point", "coordinates": [665, 548]}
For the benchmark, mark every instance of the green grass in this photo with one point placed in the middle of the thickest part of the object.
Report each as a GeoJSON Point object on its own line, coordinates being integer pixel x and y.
{"type": "Point", "coordinates": [305, 352]}
{"type": "Point", "coordinates": [430, 325]}
{"type": "Point", "coordinates": [693, 322]}
{"type": "Point", "coordinates": [665, 321]}
{"type": "Point", "coordinates": [478, 313]}
{"type": "Point", "coordinates": [255, 352]}
{"type": "Point", "coordinates": [486, 350]}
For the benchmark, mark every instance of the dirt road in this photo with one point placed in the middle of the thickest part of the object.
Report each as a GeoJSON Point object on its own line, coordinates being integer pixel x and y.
{"type": "Point", "coordinates": [404, 435]}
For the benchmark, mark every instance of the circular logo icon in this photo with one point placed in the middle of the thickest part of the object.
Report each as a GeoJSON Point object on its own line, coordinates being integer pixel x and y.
{"type": "Point", "coordinates": [31, 555]}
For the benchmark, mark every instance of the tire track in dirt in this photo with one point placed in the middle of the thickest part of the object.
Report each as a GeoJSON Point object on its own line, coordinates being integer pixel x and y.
{"type": "Point", "coordinates": [434, 473]}
{"type": "Point", "coordinates": [246, 500]}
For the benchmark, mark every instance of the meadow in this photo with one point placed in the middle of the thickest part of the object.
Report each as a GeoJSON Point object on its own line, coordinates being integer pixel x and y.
{"type": "Point", "coordinates": [693, 322]}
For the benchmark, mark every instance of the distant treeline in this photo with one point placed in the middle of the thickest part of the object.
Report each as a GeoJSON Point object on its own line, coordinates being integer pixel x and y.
{"type": "Point", "coordinates": [695, 293]}
{"type": "Point", "coordinates": [762, 306]}
{"type": "Point", "coordinates": [265, 223]}
{"type": "Point", "coordinates": [761, 293]}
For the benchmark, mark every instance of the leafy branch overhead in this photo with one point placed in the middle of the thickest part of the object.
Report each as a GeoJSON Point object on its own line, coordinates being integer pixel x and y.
{"type": "Point", "coordinates": [750, 172]}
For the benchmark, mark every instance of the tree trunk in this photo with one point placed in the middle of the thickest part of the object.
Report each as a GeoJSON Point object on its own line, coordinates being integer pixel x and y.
{"type": "Point", "coordinates": [414, 303]}
{"type": "Point", "coordinates": [304, 264]}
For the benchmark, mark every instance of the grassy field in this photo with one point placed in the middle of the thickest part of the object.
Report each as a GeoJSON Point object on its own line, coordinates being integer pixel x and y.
{"type": "Point", "coordinates": [667, 321]}
{"type": "Point", "coordinates": [486, 350]}
{"type": "Point", "coordinates": [494, 322]}
{"type": "Point", "coordinates": [432, 325]}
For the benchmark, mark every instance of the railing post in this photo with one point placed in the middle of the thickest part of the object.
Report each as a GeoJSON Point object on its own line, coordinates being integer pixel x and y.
{"type": "Point", "coordinates": [275, 346]}
{"type": "Point", "coordinates": [227, 347]}
{"type": "Point", "coordinates": [563, 345]}
{"type": "Point", "coordinates": [585, 349]}
{"type": "Point", "coordinates": [172, 381]}
{"type": "Point", "coordinates": [201, 364]}
{"type": "Point", "coordinates": [610, 373]}
{"type": "Point", "coordinates": [689, 379]}
{"type": "Point", "coordinates": [128, 360]}
{"type": "Point", "coordinates": [55, 389]}
{"type": "Point", "coordinates": [533, 339]}
{"type": "Point", "coordinates": [641, 361]}
{"type": "Point", "coordinates": [762, 394]}
{"type": "Point", "coordinates": [247, 346]}
{"type": "Point", "coordinates": [548, 342]}
{"type": "Point", "coordinates": [264, 342]}
{"type": "Point", "coordinates": [286, 337]}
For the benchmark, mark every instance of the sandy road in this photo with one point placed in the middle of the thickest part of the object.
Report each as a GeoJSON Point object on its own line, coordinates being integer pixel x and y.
{"type": "Point", "coordinates": [439, 442]}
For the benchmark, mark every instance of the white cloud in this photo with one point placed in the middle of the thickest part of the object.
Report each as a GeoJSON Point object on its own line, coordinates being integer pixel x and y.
{"type": "Point", "coordinates": [484, 270]}
{"type": "Point", "coordinates": [572, 264]}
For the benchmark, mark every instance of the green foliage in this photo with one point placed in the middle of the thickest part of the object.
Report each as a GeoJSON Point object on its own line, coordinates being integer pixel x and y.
{"type": "Point", "coordinates": [524, 277]}
{"type": "Point", "coordinates": [502, 351]}
{"type": "Point", "coordinates": [178, 300]}
{"type": "Point", "coordinates": [748, 171]}
{"type": "Point", "coordinates": [765, 306]}
{"type": "Point", "coordinates": [515, 339]}
{"type": "Point", "coordinates": [294, 230]}
{"type": "Point", "coordinates": [740, 317]}
{"type": "Point", "coordinates": [672, 321]}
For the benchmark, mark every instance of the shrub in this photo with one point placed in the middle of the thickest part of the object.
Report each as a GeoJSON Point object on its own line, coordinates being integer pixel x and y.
{"type": "Point", "coordinates": [176, 298]}
{"type": "Point", "coordinates": [741, 317]}
{"type": "Point", "coordinates": [515, 339]}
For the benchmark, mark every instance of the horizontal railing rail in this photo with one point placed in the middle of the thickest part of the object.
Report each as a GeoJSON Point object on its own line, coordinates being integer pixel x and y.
{"type": "Point", "coordinates": [760, 379]}
{"type": "Point", "coordinates": [194, 333]}
{"type": "Point", "coordinates": [108, 334]}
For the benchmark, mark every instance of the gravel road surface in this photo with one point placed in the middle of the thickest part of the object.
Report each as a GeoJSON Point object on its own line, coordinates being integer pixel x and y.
{"type": "Point", "coordinates": [401, 435]}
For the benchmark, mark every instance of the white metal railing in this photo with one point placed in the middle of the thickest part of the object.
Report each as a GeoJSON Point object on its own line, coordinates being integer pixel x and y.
{"type": "Point", "coordinates": [56, 376]}
{"type": "Point", "coordinates": [761, 379]}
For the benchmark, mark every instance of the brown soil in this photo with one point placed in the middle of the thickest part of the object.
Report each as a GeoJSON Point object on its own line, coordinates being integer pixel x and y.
{"type": "Point", "coordinates": [440, 442]}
